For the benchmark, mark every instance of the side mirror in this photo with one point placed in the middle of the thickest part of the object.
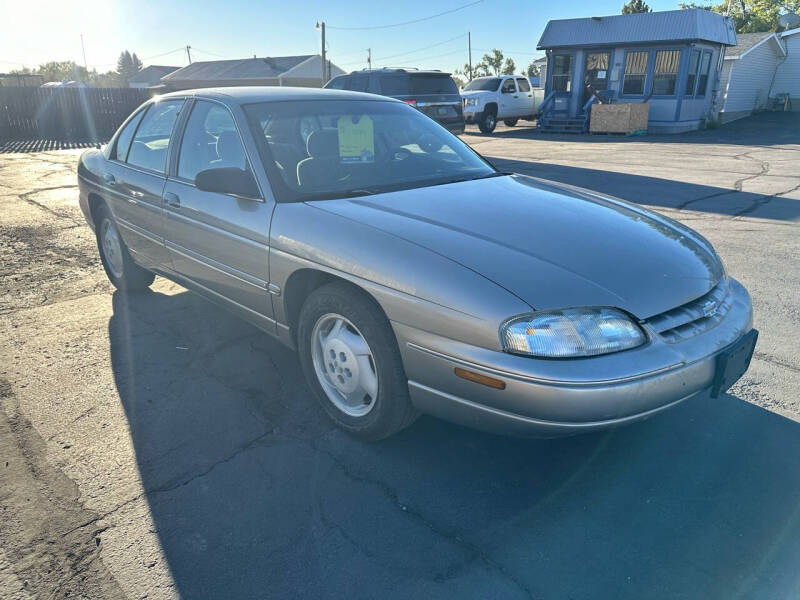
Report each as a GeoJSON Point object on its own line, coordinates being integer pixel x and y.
{"type": "Point", "coordinates": [227, 180]}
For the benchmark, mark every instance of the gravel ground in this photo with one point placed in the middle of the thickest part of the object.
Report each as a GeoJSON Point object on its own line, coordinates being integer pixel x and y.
{"type": "Point", "coordinates": [159, 448]}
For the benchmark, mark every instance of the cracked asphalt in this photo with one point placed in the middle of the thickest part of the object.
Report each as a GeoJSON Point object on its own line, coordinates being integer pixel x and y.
{"type": "Point", "coordinates": [157, 447]}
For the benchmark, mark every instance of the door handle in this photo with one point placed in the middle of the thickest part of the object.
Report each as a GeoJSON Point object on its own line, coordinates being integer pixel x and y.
{"type": "Point", "coordinates": [109, 179]}
{"type": "Point", "coordinates": [172, 200]}
{"type": "Point", "coordinates": [515, 96]}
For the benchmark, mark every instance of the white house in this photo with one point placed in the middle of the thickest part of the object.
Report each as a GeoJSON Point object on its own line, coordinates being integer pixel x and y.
{"type": "Point", "coordinates": [300, 71]}
{"type": "Point", "coordinates": [756, 70]}
{"type": "Point", "coordinates": [787, 76]}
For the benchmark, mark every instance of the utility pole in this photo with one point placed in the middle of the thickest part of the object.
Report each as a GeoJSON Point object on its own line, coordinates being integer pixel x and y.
{"type": "Point", "coordinates": [369, 57]}
{"type": "Point", "coordinates": [321, 26]}
{"type": "Point", "coordinates": [83, 49]}
{"type": "Point", "coordinates": [469, 45]}
{"type": "Point", "coordinates": [188, 54]}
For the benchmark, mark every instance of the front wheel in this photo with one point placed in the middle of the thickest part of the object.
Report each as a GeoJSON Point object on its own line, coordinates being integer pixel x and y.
{"type": "Point", "coordinates": [510, 122]}
{"type": "Point", "coordinates": [351, 361]}
{"type": "Point", "coordinates": [487, 121]}
{"type": "Point", "coordinates": [125, 274]}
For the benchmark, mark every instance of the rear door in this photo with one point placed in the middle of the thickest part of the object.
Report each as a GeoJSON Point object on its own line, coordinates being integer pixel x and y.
{"type": "Point", "coordinates": [525, 94]}
{"type": "Point", "coordinates": [434, 94]}
{"type": "Point", "coordinates": [219, 241]}
{"type": "Point", "coordinates": [137, 175]}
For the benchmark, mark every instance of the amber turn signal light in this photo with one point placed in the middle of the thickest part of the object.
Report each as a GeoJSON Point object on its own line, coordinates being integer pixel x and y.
{"type": "Point", "coordinates": [478, 378]}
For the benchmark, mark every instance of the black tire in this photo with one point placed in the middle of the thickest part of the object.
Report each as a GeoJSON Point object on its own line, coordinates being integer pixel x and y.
{"type": "Point", "coordinates": [510, 122]}
{"type": "Point", "coordinates": [392, 409]}
{"type": "Point", "coordinates": [132, 277]}
{"type": "Point", "coordinates": [488, 120]}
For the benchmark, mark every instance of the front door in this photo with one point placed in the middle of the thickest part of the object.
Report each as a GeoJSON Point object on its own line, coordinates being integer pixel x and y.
{"type": "Point", "coordinates": [595, 74]}
{"type": "Point", "coordinates": [217, 240]}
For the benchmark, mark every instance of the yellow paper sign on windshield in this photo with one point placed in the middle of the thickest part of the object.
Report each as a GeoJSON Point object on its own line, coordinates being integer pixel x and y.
{"type": "Point", "coordinates": [356, 141]}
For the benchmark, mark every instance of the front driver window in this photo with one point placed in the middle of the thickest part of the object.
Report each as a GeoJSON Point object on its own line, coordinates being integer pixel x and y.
{"type": "Point", "coordinates": [508, 87]}
{"type": "Point", "coordinates": [149, 148]}
{"type": "Point", "coordinates": [210, 141]}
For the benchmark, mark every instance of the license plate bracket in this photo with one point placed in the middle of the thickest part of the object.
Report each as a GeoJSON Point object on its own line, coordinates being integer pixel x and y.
{"type": "Point", "coordinates": [732, 363]}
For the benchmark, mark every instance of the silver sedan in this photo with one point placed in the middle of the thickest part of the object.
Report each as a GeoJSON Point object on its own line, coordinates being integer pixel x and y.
{"type": "Point", "coordinates": [409, 274]}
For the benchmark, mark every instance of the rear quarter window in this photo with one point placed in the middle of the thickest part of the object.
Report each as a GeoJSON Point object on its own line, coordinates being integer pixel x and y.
{"type": "Point", "coordinates": [394, 85]}
{"type": "Point", "coordinates": [432, 84]}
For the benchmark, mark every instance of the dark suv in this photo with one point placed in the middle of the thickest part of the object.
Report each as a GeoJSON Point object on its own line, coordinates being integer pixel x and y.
{"type": "Point", "coordinates": [431, 92]}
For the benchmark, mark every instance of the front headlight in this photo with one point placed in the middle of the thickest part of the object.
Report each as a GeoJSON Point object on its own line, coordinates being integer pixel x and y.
{"type": "Point", "coordinates": [471, 102]}
{"type": "Point", "coordinates": [571, 333]}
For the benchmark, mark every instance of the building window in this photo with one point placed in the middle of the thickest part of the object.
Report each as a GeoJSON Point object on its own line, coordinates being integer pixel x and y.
{"type": "Point", "coordinates": [666, 72]}
{"type": "Point", "coordinates": [562, 72]}
{"type": "Point", "coordinates": [691, 78]}
{"type": "Point", "coordinates": [705, 66]}
{"type": "Point", "coordinates": [635, 73]}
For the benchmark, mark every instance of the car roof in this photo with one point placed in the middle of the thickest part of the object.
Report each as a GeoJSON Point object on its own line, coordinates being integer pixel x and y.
{"type": "Point", "coordinates": [253, 94]}
{"type": "Point", "coordinates": [392, 70]}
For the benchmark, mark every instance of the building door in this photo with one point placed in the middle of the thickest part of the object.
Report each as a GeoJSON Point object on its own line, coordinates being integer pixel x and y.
{"type": "Point", "coordinates": [595, 74]}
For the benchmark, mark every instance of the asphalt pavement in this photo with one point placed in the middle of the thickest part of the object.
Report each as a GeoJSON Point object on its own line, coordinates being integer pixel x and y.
{"type": "Point", "coordinates": [157, 447]}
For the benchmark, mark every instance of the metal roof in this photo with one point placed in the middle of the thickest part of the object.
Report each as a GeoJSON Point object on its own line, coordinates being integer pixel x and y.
{"type": "Point", "coordinates": [151, 73]}
{"type": "Point", "coordinates": [657, 27]}
{"type": "Point", "coordinates": [243, 68]}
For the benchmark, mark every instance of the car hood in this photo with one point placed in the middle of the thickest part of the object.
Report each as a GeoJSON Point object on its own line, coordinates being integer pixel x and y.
{"type": "Point", "coordinates": [475, 94]}
{"type": "Point", "coordinates": [552, 246]}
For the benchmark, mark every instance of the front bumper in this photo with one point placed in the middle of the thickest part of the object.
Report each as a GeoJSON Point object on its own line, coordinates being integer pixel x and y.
{"type": "Point", "coordinates": [548, 398]}
{"type": "Point", "coordinates": [472, 114]}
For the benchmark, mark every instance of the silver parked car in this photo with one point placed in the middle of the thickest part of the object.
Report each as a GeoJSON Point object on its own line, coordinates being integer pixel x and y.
{"type": "Point", "coordinates": [410, 275]}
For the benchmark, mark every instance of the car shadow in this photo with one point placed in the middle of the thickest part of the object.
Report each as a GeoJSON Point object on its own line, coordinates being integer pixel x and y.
{"type": "Point", "coordinates": [658, 192]}
{"type": "Point", "coordinates": [254, 494]}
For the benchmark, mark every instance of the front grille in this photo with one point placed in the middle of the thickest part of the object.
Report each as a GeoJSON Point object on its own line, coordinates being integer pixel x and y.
{"type": "Point", "coordinates": [695, 317]}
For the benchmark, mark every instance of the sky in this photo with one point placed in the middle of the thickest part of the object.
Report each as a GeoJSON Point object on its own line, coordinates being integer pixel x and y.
{"type": "Point", "coordinates": [37, 31]}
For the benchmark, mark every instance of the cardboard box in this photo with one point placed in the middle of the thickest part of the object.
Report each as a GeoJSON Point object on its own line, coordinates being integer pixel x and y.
{"type": "Point", "coordinates": [619, 118]}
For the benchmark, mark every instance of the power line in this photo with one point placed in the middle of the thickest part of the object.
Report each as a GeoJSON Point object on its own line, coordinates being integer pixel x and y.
{"type": "Point", "coordinates": [181, 49]}
{"type": "Point", "coordinates": [510, 52]}
{"type": "Point", "coordinates": [446, 12]}
{"type": "Point", "coordinates": [423, 48]}
{"type": "Point", "coordinates": [196, 49]}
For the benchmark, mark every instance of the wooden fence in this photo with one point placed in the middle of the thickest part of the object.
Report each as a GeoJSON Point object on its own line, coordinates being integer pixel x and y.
{"type": "Point", "coordinates": [66, 114]}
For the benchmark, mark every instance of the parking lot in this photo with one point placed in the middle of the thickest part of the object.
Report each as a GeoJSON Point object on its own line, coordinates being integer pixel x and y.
{"type": "Point", "coordinates": [157, 447]}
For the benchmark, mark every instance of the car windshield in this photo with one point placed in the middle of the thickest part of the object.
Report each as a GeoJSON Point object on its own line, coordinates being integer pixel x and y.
{"type": "Point", "coordinates": [489, 84]}
{"type": "Point", "coordinates": [344, 148]}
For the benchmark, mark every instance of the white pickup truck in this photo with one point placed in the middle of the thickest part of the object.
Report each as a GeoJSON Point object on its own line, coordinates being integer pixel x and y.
{"type": "Point", "coordinates": [507, 98]}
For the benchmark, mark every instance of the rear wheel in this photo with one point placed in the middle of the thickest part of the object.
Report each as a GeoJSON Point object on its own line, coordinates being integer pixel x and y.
{"type": "Point", "coordinates": [510, 122]}
{"type": "Point", "coordinates": [487, 121]}
{"type": "Point", "coordinates": [125, 274]}
{"type": "Point", "coordinates": [351, 362]}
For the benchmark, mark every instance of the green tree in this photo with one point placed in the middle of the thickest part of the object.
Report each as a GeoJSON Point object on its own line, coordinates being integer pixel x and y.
{"type": "Point", "coordinates": [635, 6]}
{"type": "Point", "coordinates": [65, 70]}
{"type": "Point", "coordinates": [127, 66]}
{"type": "Point", "coordinates": [751, 15]}
{"type": "Point", "coordinates": [493, 62]}
{"type": "Point", "coordinates": [509, 67]}
{"type": "Point", "coordinates": [533, 69]}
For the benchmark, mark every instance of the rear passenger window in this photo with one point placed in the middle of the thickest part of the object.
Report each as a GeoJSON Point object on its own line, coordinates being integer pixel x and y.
{"type": "Point", "coordinates": [524, 85]}
{"type": "Point", "coordinates": [395, 85]}
{"type": "Point", "coordinates": [120, 151]}
{"type": "Point", "coordinates": [149, 147]}
{"type": "Point", "coordinates": [210, 141]}
{"type": "Point", "coordinates": [508, 87]}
